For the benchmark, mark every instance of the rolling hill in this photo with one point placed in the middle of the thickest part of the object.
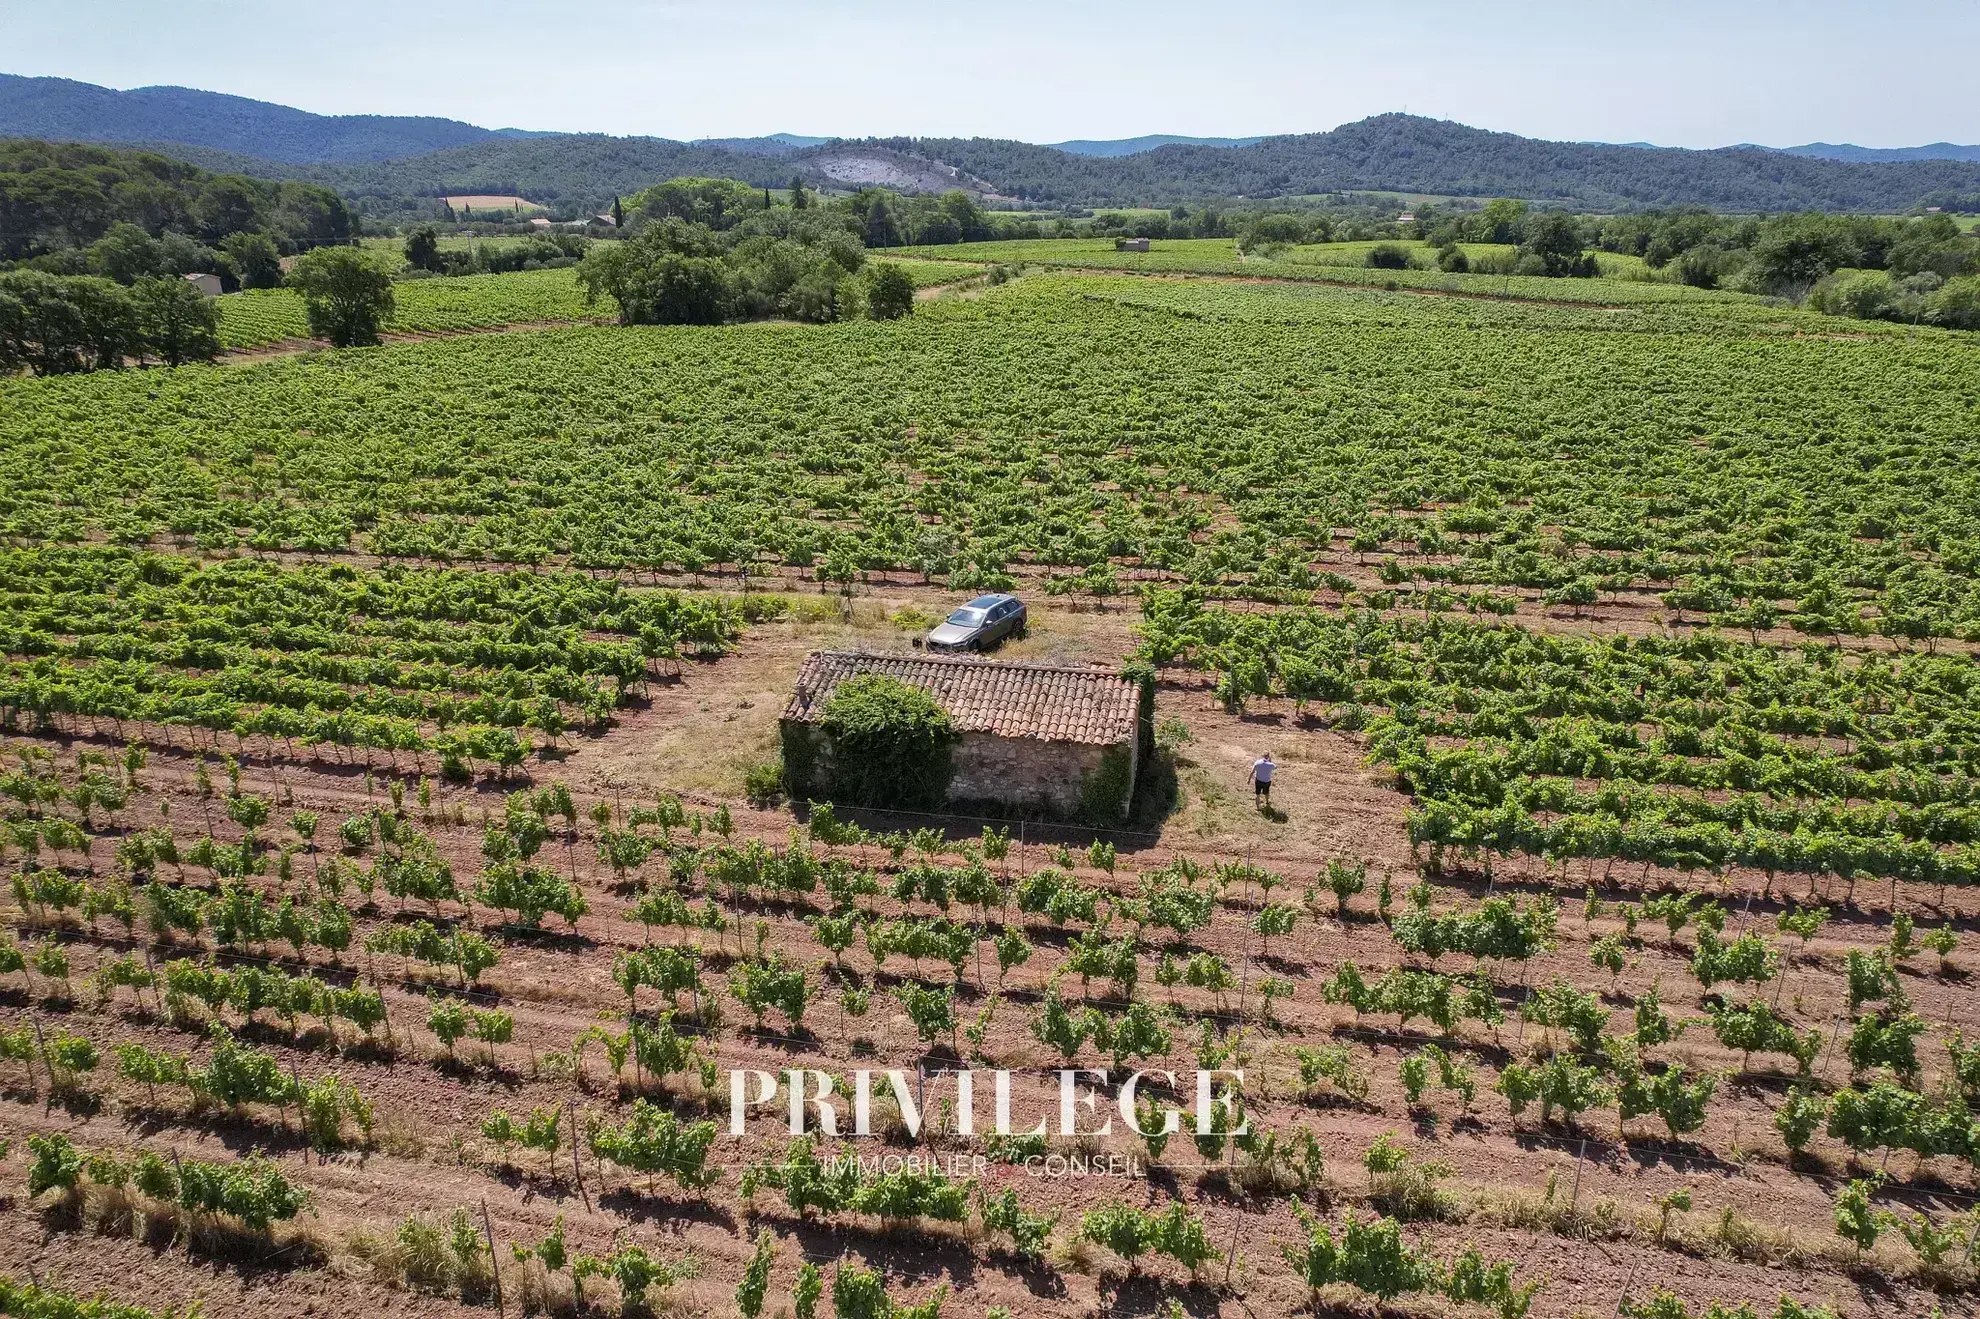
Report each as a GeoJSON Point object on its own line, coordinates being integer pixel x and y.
{"type": "Point", "coordinates": [62, 110]}
{"type": "Point", "coordinates": [386, 157]}
{"type": "Point", "coordinates": [1128, 146]}
{"type": "Point", "coordinates": [1411, 154]}
{"type": "Point", "coordinates": [1884, 155]}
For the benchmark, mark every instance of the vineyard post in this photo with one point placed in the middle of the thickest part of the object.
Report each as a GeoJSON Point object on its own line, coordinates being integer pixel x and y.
{"type": "Point", "coordinates": [385, 1010]}
{"type": "Point", "coordinates": [1574, 1196]}
{"type": "Point", "coordinates": [494, 1267]}
{"type": "Point", "coordinates": [577, 1168]}
{"type": "Point", "coordinates": [41, 1043]}
{"type": "Point", "coordinates": [296, 1082]}
{"type": "Point", "coordinates": [1627, 1284]}
{"type": "Point", "coordinates": [1835, 1029]}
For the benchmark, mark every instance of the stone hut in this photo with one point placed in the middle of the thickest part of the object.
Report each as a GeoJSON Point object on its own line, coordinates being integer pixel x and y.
{"type": "Point", "coordinates": [1130, 244]}
{"type": "Point", "coordinates": [1034, 736]}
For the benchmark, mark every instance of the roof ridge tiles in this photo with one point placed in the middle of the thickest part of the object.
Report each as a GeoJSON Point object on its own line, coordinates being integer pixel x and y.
{"type": "Point", "coordinates": [1050, 702]}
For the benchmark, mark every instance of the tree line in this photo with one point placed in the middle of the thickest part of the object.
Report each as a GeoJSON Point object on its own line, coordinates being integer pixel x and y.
{"type": "Point", "coordinates": [57, 325]}
{"type": "Point", "coordinates": [59, 201]}
{"type": "Point", "coordinates": [706, 251]}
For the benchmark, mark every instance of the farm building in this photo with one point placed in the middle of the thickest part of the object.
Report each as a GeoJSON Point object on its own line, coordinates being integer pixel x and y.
{"type": "Point", "coordinates": [1063, 741]}
{"type": "Point", "coordinates": [206, 284]}
{"type": "Point", "coordinates": [1130, 244]}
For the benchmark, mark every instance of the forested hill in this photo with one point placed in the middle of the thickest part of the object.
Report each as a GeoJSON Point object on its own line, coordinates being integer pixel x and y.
{"type": "Point", "coordinates": [398, 157]}
{"type": "Point", "coordinates": [1398, 153]}
{"type": "Point", "coordinates": [63, 110]}
{"type": "Point", "coordinates": [1406, 153]}
{"type": "Point", "coordinates": [579, 169]}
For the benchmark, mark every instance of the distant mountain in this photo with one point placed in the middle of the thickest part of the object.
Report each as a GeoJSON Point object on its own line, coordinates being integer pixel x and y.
{"type": "Point", "coordinates": [1411, 154]}
{"type": "Point", "coordinates": [776, 144]}
{"type": "Point", "coordinates": [59, 109]}
{"type": "Point", "coordinates": [577, 170]}
{"type": "Point", "coordinates": [1883, 155]}
{"type": "Point", "coordinates": [394, 159]}
{"type": "Point", "coordinates": [1128, 146]}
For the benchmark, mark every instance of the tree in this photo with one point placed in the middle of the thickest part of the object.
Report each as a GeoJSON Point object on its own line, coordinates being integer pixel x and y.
{"type": "Point", "coordinates": [1553, 243]}
{"type": "Point", "coordinates": [423, 249]}
{"type": "Point", "coordinates": [227, 205]}
{"type": "Point", "coordinates": [179, 324]}
{"type": "Point", "coordinates": [347, 293]}
{"type": "Point", "coordinates": [881, 231]}
{"type": "Point", "coordinates": [55, 325]}
{"type": "Point", "coordinates": [1501, 220]}
{"type": "Point", "coordinates": [256, 260]}
{"type": "Point", "coordinates": [126, 254]}
{"type": "Point", "coordinates": [657, 286]}
{"type": "Point", "coordinates": [1956, 305]}
{"type": "Point", "coordinates": [1793, 253]}
{"type": "Point", "coordinates": [889, 292]}
{"type": "Point", "coordinates": [799, 198]}
{"type": "Point", "coordinates": [972, 225]}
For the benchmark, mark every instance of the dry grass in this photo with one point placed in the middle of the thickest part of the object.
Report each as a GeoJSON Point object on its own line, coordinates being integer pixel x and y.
{"type": "Point", "coordinates": [538, 1291]}
{"type": "Point", "coordinates": [120, 1211]}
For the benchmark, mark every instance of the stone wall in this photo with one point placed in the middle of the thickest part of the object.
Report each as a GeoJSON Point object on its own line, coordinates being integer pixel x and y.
{"type": "Point", "coordinates": [1023, 772]}
{"type": "Point", "coordinates": [1049, 777]}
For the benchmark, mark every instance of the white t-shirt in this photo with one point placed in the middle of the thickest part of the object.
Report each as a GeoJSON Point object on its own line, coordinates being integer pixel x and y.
{"type": "Point", "coordinates": [1261, 771]}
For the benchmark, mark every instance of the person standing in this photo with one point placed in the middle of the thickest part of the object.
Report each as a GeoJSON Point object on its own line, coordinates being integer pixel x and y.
{"type": "Point", "coordinates": [1262, 770]}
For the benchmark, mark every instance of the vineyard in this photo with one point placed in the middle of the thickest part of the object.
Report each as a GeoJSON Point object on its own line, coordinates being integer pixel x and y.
{"type": "Point", "coordinates": [261, 317]}
{"type": "Point", "coordinates": [427, 306]}
{"type": "Point", "coordinates": [397, 908]}
{"type": "Point", "coordinates": [1333, 263]}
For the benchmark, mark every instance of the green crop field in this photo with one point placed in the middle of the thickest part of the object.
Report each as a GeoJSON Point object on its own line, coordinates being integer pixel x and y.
{"type": "Point", "coordinates": [928, 274]}
{"type": "Point", "coordinates": [466, 302]}
{"type": "Point", "coordinates": [1603, 946]}
{"type": "Point", "coordinates": [1623, 283]}
{"type": "Point", "coordinates": [1277, 414]}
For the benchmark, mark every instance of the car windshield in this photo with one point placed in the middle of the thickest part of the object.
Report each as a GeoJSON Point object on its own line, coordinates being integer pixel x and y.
{"type": "Point", "coordinates": [968, 617]}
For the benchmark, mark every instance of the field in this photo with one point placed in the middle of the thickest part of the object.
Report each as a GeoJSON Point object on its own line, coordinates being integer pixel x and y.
{"type": "Point", "coordinates": [378, 729]}
{"type": "Point", "coordinates": [261, 317]}
{"type": "Point", "coordinates": [1334, 263]}
{"type": "Point", "coordinates": [396, 245]}
{"type": "Point", "coordinates": [427, 306]}
{"type": "Point", "coordinates": [490, 202]}
{"type": "Point", "coordinates": [1613, 265]}
{"type": "Point", "coordinates": [931, 274]}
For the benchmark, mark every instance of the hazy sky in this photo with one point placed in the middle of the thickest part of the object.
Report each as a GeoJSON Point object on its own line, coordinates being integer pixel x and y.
{"type": "Point", "coordinates": [1678, 72]}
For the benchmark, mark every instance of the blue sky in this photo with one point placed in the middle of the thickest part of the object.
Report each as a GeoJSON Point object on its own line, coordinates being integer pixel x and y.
{"type": "Point", "coordinates": [1679, 72]}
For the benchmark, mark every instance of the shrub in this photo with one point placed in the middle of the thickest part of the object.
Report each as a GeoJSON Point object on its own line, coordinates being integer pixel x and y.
{"type": "Point", "coordinates": [1867, 295]}
{"type": "Point", "coordinates": [891, 743]}
{"type": "Point", "coordinates": [1957, 304]}
{"type": "Point", "coordinates": [889, 292]}
{"type": "Point", "coordinates": [763, 783]}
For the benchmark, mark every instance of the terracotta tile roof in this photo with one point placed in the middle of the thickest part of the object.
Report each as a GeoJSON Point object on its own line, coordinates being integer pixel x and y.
{"type": "Point", "coordinates": [984, 696]}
